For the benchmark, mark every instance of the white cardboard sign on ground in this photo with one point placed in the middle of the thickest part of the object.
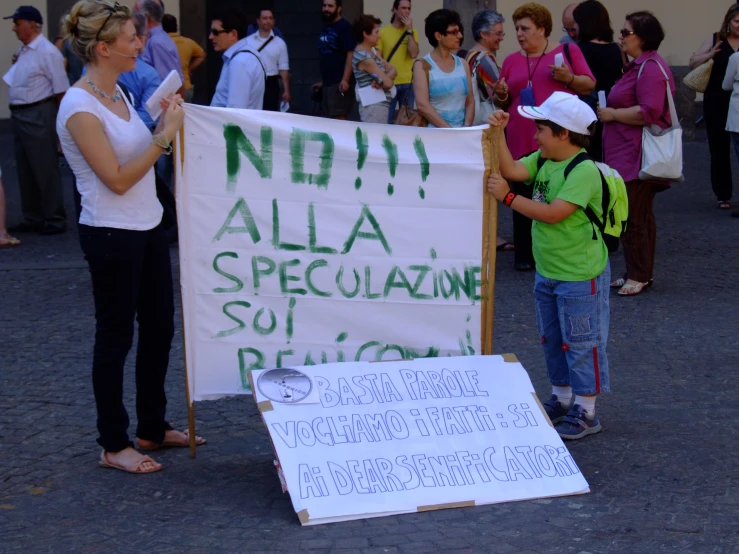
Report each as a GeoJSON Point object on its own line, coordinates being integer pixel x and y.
{"type": "Point", "coordinates": [306, 240]}
{"type": "Point", "coordinates": [358, 440]}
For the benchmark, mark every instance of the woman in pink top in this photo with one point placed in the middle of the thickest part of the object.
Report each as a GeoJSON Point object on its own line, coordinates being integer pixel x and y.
{"type": "Point", "coordinates": [633, 103]}
{"type": "Point", "coordinates": [531, 76]}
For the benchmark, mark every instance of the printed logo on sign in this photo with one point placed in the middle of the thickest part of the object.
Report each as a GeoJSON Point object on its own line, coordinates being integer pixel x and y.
{"type": "Point", "coordinates": [285, 385]}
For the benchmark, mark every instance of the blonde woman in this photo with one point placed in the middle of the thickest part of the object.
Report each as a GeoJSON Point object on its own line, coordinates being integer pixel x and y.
{"type": "Point", "coordinates": [112, 154]}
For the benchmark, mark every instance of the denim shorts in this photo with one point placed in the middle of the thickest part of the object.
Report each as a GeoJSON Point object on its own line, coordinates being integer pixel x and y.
{"type": "Point", "coordinates": [573, 319]}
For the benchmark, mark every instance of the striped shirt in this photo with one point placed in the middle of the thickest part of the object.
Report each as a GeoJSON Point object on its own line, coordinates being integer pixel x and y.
{"type": "Point", "coordinates": [448, 91]}
{"type": "Point", "coordinates": [38, 73]}
{"type": "Point", "coordinates": [363, 78]}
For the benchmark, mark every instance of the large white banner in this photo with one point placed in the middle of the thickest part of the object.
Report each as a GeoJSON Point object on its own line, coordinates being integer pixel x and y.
{"type": "Point", "coordinates": [359, 440]}
{"type": "Point", "coordinates": [309, 241]}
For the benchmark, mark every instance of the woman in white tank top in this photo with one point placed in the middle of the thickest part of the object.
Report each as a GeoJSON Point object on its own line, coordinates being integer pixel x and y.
{"type": "Point", "coordinates": [112, 155]}
{"type": "Point", "coordinates": [445, 97]}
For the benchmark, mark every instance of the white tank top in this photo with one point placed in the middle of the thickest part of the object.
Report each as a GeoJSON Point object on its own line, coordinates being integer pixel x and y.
{"type": "Point", "coordinates": [138, 209]}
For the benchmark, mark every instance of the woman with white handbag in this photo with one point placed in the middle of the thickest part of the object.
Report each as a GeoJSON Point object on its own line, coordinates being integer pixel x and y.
{"type": "Point", "coordinates": [641, 98]}
{"type": "Point", "coordinates": [710, 62]}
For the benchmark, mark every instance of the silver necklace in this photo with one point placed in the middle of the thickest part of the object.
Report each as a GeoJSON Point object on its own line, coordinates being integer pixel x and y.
{"type": "Point", "coordinates": [114, 98]}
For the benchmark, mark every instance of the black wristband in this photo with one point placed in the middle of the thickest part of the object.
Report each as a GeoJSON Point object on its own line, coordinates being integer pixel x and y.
{"type": "Point", "coordinates": [509, 198]}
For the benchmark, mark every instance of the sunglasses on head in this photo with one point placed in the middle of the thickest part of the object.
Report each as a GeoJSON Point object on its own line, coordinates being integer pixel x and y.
{"type": "Point", "coordinates": [113, 10]}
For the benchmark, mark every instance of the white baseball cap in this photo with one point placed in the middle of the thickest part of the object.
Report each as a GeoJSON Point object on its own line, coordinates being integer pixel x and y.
{"type": "Point", "coordinates": [566, 110]}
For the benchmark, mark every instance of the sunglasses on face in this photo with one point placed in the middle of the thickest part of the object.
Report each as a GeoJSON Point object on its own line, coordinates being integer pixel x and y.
{"type": "Point", "coordinates": [217, 32]}
{"type": "Point", "coordinates": [454, 32]}
{"type": "Point", "coordinates": [625, 33]}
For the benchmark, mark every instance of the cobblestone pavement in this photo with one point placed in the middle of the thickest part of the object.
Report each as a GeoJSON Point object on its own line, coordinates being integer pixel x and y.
{"type": "Point", "coordinates": [663, 473]}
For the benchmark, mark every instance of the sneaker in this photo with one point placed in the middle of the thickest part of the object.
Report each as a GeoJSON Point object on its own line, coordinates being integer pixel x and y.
{"type": "Point", "coordinates": [576, 425]}
{"type": "Point", "coordinates": [554, 409]}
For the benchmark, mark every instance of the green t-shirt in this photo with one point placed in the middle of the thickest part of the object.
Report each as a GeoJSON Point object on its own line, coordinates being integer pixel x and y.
{"type": "Point", "coordinates": [566, 251]}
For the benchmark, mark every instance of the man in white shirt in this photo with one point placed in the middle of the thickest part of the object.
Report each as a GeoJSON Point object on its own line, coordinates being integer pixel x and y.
{"type": "Point", "coordinates": [37, 82]}
{"type": "Point", "coordinates": [242, 80]}
{"type": "Point", "coordinates": [272, 51]}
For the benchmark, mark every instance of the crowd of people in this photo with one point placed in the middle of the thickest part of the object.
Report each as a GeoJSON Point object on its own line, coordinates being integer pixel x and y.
{"type": "Point", "coordinates": [89, 90]}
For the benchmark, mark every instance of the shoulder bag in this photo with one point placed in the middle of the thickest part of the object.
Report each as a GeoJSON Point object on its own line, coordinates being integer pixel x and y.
{"type": "Point", "coordinates": [698, 78]}
{"type": "Point", "coordinates": [408, 116]}
{"type": "Point", "coordinates": [483, 106]}
{"type": "Point", "coordinates": [662, 149]}
{"type": "Point", "coordinates": [397, 45]}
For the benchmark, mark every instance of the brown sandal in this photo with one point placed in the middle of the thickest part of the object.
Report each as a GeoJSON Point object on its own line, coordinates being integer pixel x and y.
{"type": "Point", "coordinates": [136, 469]}
{"type": "Point", "coordinates": [632, 290]}
{"type": "Point", "coordinates": [150, 445]}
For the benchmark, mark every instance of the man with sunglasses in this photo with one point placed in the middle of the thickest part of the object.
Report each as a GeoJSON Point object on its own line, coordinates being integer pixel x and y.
{"type": "Point", "coordinates": [243, 78]}
{"type": "Point", "coordinates": [37, 82]}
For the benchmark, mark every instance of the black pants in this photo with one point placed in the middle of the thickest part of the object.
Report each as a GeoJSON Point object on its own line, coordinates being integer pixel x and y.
{"type": "Point", "coordinates": [522, 229]}
{"type": "Point", "coordinates": [131, 278]}
{"type": "Point", "coordinates": [719, 145]}
{"type": "Point", "coordinates": [272, 94]}
{"type": "Point", "coordinates": [37, 161]}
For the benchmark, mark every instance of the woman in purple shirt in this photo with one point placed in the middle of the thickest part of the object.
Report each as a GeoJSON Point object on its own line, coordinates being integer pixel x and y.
{"type": "Point", "coordinates": [636, 101]}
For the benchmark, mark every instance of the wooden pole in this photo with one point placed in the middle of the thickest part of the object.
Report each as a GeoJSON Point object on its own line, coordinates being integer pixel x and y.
{"type": "Point", "coordinates": [190, 405]}
{"type": "Point", "coordinates": [490, 138]}
{"type": "Point", "coordinates": [179, 158]}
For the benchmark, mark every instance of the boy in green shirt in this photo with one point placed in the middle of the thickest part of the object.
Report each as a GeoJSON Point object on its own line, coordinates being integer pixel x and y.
{"type": "Point", "coordinates": [572, 269]}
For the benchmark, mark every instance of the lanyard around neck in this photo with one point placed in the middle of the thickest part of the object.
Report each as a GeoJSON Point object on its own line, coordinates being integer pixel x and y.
{"type": "Point", "coordinates": [528, 67]}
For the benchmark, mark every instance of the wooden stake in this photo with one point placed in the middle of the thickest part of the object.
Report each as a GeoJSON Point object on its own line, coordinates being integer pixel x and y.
{"type": "Point", "coordinates": [490, 138]}
{"type": "Point", "coordinates": [190, 405]}
{"type": "Point", "coordinates": [180, 159]}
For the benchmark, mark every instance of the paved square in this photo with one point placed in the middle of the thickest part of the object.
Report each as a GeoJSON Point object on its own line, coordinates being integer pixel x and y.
{"type": "Point", "coordinates": [663, 473]}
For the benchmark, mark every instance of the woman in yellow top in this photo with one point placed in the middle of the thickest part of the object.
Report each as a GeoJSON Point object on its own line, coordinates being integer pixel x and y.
{"type": "Point", "coordinates": [399, 45]}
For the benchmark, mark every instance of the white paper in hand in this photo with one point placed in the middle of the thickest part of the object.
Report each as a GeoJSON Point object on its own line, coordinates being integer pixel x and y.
{"type": "Point", "coordinates": [602, 98]}
{"type": "Point", "coordinates": [171, 84]}
{"type": "Point", "coordinates": [559, 60]}
{"type": "Point", "coordinates": [370, 95]}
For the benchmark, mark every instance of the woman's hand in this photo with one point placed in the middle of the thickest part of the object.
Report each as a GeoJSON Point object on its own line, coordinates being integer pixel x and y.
{"type": "Point", "coordinates": [173, 117]}
{"type": "Point", "coordinates": [498, 186]}
{"type": "Point", "coordinates": [606, 115]}
{"type": "Point", "coordinates": [501, 88]}
{"type": "Point", "coordinates": [499, 118]}
{"type": "Point", "coordinates": [165, 102]}
{"type": "Point", "coordinates": [716, 49]}
{"type": "Point", "coordinates": [561, 74]}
